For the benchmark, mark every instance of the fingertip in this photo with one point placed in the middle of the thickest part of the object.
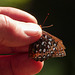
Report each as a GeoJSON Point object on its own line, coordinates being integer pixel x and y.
{"type": "Point", "coordinates": [22, 64]}
{"type": "Point", "coordinates": [37, 67]}
{"type": "Point", "coordinates": [33, 32]}
{"type": "Point", "coordinates": [32, 29]}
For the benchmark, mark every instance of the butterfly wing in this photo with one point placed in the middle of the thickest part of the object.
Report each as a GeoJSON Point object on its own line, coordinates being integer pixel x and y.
{"type": "Point", "coordinates": [57, 46]}
{"type": "Point", "coordinates": [46, 47]}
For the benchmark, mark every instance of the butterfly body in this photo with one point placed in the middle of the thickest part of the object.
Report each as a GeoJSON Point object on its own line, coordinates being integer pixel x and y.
{"type": "Point", "coordinates": [46, 47]}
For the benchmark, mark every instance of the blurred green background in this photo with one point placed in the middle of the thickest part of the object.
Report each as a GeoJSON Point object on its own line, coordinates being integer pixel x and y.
{"type": "Point", "coordinates": [62, 14]}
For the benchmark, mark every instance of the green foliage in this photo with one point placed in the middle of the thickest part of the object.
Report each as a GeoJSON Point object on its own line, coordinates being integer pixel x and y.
{"type": "Point", "coordinates": [16, 3]}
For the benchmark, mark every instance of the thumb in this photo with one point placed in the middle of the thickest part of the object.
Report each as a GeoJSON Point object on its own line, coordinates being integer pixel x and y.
{"type": "Point", "coordinates": [15, 33]}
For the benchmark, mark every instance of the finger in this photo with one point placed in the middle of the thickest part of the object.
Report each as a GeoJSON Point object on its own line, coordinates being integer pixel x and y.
{"type": "Point", "coordinates": [15, 33]}
{"type": "Point", "coordinates": [9, 50]}
{"type": "Point", "coordinates": [19, 65]}
{"type": "Point", "coordinates": [23, 65]}
{"type": "Point", "coordinates": [17, 14]}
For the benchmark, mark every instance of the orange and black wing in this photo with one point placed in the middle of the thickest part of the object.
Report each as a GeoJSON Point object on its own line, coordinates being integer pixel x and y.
{"type": "Point", "coordinates": [46, 47]}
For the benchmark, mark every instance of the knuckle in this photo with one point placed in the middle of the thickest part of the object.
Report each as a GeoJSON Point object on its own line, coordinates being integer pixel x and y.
{"type": "Point", "coordinates": [3, 20]}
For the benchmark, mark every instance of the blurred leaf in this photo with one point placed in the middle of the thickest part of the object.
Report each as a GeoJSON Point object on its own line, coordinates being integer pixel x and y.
{"type": "Point", "coordinates": [15, 3]}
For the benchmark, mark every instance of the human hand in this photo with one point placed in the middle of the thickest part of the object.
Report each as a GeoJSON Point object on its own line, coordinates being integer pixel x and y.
{"type": "Point", "coordinates": [18, 29]}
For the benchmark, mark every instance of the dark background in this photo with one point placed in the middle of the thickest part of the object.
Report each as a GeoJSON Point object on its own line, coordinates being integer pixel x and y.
{"type": "Point", "coordinates": [62, 16]}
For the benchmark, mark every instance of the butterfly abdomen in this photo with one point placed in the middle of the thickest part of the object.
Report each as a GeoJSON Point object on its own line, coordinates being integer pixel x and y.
{"type": "Point", "coordinates": [46, 47]}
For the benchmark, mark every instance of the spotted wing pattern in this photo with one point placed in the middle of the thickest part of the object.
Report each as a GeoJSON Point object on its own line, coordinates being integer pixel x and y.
{"type": "Point", "coordinates": [46, 47]}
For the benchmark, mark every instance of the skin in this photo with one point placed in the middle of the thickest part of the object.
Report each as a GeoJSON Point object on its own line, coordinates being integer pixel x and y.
{"type": "Point", "coordinates": [18, 29]}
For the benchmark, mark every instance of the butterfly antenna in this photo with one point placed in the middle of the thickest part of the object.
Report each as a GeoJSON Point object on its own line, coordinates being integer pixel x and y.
{"type": "Point", "coordinates": [47, 26]}
{"type": "Point", "coordinates": [45, 18]}
{"type": "Point", "coordinates": [45, 21]}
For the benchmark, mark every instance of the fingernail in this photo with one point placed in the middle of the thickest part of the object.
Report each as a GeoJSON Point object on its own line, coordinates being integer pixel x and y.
{"type": "Point", "coordinates": [32, 29]}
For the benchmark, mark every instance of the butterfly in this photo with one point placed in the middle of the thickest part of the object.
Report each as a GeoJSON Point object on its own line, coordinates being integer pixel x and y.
{"type": "Point", "coordinates": [48, 46]}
